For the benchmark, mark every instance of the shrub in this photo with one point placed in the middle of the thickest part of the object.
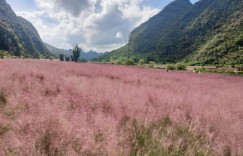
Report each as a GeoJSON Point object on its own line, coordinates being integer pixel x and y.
{"type": "Point", "coordinates": [129, 62]}
{"type": "Point", "coordinates": [119, 62]}
{"type": "Point", "coordinates": [194, 63]}
{"type": "Point", "coordinates": [141, 62]}
{"type": "Point", "coordinates": [240, 73]}
{"type": "Point", "coordinates": [123, 61]}
{"type": "Point", "coordinates": [67, 59]}
{"type": "Point", "coordinates": [3, 54]}
{"type": "Point", "coordinates": [180, 66]}
{"type": "Point", "coordinates": [61, 57]}
{"type": "Point", "coordinates": [83, 60]}
{"type": "Point", "coordinates": [170, 67]}
{"type": "Point", "coordinates": [241, 67]}
{"type": "Point", "coordinates": [72, 58]}
{"type": "Point", "coordinates": [231, 72]}
{"type": "Point", "coordinates": [136, 60]}
{"type": "Point", "coordinates": [151, 64]}
{"type": "Point", "coordinates": [112, 61]}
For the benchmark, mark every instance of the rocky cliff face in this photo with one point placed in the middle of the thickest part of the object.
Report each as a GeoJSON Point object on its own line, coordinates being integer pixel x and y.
{"type": "Point", "coordinates": [18, 36]}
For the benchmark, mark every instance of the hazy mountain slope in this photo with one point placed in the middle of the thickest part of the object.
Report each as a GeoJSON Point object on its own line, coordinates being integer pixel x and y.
{"type": "Point", "coordinates": [91, 55]}
{"type": "Point", "coordinates": [148, 39]}
{"type": "Point", "coordinates": [160, 29]}
{"type": "Point", "coordinates": [18, 36]}
{"type": "Point", "coordinates": [208, 32]}
{"type": "Point", "coordinates": [56, 51]}
{"type": "Point", "coordinates": [84, 55]}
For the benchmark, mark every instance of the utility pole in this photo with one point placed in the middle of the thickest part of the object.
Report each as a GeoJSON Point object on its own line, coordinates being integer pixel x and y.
{"type": "Point", "coordinates": [128, 47]}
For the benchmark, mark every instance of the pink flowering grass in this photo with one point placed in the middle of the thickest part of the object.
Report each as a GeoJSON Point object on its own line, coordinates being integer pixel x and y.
{"type": "Point", "coordinates": [59, 108]}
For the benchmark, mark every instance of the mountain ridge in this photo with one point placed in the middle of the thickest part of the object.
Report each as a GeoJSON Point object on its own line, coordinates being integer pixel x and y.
{"type": "Point", "coordinates": [208, 32]}
{"type": "Point", "coordinates": [18, 36]}
{"type": "Point", "coordinates": [67, 53]}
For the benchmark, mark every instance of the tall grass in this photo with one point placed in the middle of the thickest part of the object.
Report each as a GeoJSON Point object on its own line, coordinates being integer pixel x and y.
{"type": "Point", "coordinates": [64, 108]}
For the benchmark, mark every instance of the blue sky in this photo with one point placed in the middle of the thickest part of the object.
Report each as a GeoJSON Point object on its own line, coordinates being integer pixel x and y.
{"type": "Point", "coordinates": [21, 5]}
{"type": "Point", "coordinates": [99, 25]}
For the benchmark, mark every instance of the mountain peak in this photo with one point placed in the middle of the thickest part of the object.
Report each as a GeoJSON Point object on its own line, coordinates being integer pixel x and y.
{"type": "Point", "coordinates": [178, 3]}
{"type": "Point", "coordinates": [184, 1]}
{"type": "Point", "coordinates": [177, 8]}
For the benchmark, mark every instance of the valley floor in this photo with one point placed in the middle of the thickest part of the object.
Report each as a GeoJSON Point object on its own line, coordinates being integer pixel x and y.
{"type": "Point", "coordinates": [65, 108]}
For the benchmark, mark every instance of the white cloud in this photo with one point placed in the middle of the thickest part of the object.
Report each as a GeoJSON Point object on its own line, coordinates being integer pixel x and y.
{"type": "Point", "coordinates": [95, 24]}
{"type": "Point", "coordinates": [119, 35]}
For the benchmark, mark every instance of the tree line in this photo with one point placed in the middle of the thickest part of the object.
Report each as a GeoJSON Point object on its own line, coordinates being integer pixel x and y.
{"type": "Point", "coordinates": [74, 57]}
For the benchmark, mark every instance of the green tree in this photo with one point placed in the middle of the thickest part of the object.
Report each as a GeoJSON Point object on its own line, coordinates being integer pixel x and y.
{"type": "Point", "coordinates": [241, 67]}
{"type": "Point", "coordinates": [180, 66]}
{"type": "Point", "coordinates": [76, 53]}
{"type": "Point", "coordinates": [61, 56]}
{"type": "Point", "coordinates": [67, 59]}
{"type": "Point", "coordinates": [1, 54]}
{"type": "Point", "coordinates": [170, 67]}
{"type": "Point", "coordinates": [141, 62]}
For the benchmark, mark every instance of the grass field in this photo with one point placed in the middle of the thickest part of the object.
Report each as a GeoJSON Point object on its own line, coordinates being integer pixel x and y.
{"type": "Point", "coordinates": [60, 108]}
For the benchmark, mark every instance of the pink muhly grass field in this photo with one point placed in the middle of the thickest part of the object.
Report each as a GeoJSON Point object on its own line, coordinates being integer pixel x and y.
{"type": "Point", "coordinates": [77, 109]}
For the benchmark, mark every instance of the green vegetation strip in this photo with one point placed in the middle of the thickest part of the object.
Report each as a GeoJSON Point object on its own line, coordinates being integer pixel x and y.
{"type": "Point", "coordinates": [164, 138]}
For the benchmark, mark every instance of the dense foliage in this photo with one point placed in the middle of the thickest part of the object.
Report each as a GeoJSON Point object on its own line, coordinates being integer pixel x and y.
{"type": "Point", "coordinates": [76, 53]}
{"type": "Point", "coordinates": [61, 57]}
{"type": "Point", "coordinates": [18, 36]}
{"type": "Point", "coordinates": [208, 32]}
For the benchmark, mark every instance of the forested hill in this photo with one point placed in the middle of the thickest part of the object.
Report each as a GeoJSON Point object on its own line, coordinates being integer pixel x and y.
{"type": "Point", "coordinates": [207, 32]}
{"type": "Point", "coordinates": [18, 36]}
